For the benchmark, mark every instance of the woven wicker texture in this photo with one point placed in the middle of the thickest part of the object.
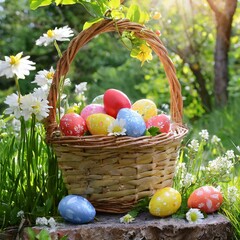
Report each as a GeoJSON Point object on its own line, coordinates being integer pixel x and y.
{"type": "Point", "coordinates": [113, 173]}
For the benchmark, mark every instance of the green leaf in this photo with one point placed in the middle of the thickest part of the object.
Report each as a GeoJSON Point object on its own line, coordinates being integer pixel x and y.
{"type": "Point", "coordinates": [31, 234]}
{"type": "Point", "coordinates": [117, 14]}
{"type": "Point", "coordinates": [154, 131]}
{"type": "Point", "coordinates": [34, 4]}
{"type": "Point", "coordinates": [127, 42]}
{"type": "Point", "coordinates": [43, 235]}
{"type": "Point", "coordinates": [97, 10]}
{"type": "Point", "coordinates": [90, 23]}
{"type": "Point", "coordinates": [114, 4]}
{"type": "Point", "coordinates": [133, 13]}
{"type": "Point", "coordinates": [65, 2]}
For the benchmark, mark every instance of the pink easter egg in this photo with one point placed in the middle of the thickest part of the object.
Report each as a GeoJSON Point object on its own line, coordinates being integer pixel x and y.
{"type": "Point", "coordinates": [92, 109]}
{"type": "Point", "coordinates": [160, 121]}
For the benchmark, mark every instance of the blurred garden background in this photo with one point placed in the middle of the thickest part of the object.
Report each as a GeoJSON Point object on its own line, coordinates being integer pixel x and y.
{"type": "Point", "coordinates": [203, 41]}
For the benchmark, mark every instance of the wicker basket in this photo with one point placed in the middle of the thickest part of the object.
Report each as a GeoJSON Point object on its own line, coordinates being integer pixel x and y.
{"type": "Point", "coordinates": [113, 173]}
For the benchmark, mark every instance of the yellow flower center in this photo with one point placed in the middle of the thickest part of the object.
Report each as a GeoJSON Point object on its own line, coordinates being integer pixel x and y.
{"type": "Point", "coordinates": [117, 129]}
{"type": "Point", "coordinates": [49, 76]}
{"type": "Point", "coordinates": [15, 59]}
{"type": "Point", "coordinates": [50, 33]}
{"type": "Point", "coordinates": [194, 217]}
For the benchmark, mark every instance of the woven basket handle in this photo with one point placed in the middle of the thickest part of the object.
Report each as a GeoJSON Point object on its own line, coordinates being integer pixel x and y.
{"type": "Point", "coordinates": [176, 104]}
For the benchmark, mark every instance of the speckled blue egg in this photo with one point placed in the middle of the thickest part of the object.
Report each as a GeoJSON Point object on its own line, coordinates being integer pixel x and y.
{"type": "Point", "coordinates": [134, 123]}
{"type": "Point", "coordinates": [76, 209]}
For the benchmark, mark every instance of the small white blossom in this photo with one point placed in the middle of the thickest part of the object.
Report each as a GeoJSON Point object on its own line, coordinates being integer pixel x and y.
{"type": "Point", "coordinates": [52, 222]}
{"type": "Point", "coordinates": [2, 124]}
{"type": "Point", "coordinates": [44, 77]}
{"type": "Point", "coordinates": [80, 88]}
{"type": "Point", "coordinates": [238, 148]}
{"type": "Point", "coordinates": [194, 145]}
{"type": "Point", "coordinates": [14, 105]}
{"type": "Point", "coordinates": [181, 167]}
{"type": "Point", "coordinates": [204, 134]}
{"type": "Point", "coordinates": [194, 215]}
{"type": "Point", "coordinates": [220, 166]}
{"type": "Point", "coordinates": [187, 180]}
{"type": "Point", "coordinates": [16, 65]}
{"type": "Point", "coordinates": [58, 34]}
{"type": "Point", "coordinates": [232, 194]}
{"type": "Point", "coordinates": [215, 139]}
{"type": "Point", "coordinates": [16, 124]}
{"type": "Point", "coordinates": [20, 214]}
{"type": "Point", "coordinates": [42, 221]}
{"type": "Point", "coordinates": [67, 82]}
{"type": "Point", "coordinates": [230, 154]}
{"type": "Point", "coordinates": [116, 128]}
{"type": "Point", "coordinates": [127, 219]}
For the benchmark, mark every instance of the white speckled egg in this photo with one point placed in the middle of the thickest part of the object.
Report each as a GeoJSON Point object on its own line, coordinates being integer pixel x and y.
{"type": "Point", "coordinates": [134, 123]}
{"type": "Point", "coordinates": [76, 209]}
{"type": "Point", "coordinates": [165, 202]}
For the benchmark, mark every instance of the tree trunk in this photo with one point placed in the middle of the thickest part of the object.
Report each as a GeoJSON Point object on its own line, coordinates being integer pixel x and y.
{"type": "Point", "coordinates": [224, 18]}
{"type": "Point", "coordinates": [201, 88]}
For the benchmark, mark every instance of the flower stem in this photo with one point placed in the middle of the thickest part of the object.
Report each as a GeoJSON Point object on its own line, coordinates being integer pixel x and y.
{"type": "Point", "coordinates": [18, 88]}
{"type": "Point", "coordinates": [58, 49]}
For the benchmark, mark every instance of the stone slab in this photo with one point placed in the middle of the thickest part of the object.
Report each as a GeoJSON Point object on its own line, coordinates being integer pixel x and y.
{"type": "Point", "coordinates": [145, 227]}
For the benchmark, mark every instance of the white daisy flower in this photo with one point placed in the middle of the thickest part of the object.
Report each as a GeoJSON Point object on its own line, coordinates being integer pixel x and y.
{"type": "Point", "coordinates": [117, 128]}
{"type": "Point", "coordinates": [204, 134]}
{"type": "Point", "coordinates": [44, 77]}
{"type": "Point", "coordinates": [194, 215]}
{"type": "Point", "coordinates": [13, 102]}
{"type": "Point", "coordinates": [40, 104]}
{"type": "Point", "coordinates": [58, 34]}
{"type": "Point", "coordinates": [26, 106]}
{"type": "Point", "coordinates": [16, 65]}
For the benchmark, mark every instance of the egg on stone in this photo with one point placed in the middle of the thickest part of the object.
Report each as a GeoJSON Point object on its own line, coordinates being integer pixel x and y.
{"type": "Point", "coordinates": [165, 202]}
{"type": "Point", "coordinates": [207, 198]}
{"type": "Point", "coordinates": [98, 123]}
{"type": "Point", "coordinates": [91, 109]}
{"type": "Point", "coordinates": [76, 209]}
{"type": "Point", "coordinates": [145, 107]}
{"type": "Point", "coordinates": [134, 123]}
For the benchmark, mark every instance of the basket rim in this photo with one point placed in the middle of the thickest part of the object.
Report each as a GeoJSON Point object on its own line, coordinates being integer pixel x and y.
{"type": "Point", "coordinates": [104, 26]}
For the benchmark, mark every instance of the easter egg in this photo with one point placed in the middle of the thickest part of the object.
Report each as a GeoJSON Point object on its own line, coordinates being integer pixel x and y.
{"type": "Point", "coordinates": [146, 108]}
{"type": "Point", "coordinates": [114, 100]}
{"type": "Point", "coordinates": [165, 202]}
{"type": "Point", "coordinates": [98, 100]}
{"type": "Point", "coordinates": [98, 123]}
{"type": "Point", "coordinates": [134, 123]}
{"type": "Point", "coordinates": [72, 124]}
{"type": "Point", "coordinates": [207, 198]}
{"type": "Point", "coordinates": [160, 121]}
{"type": "Point", "coordinates": [74, 109]}
{"type": "Point", "coordinates": [76, 209]}
{"type": "Point", "coordinates": [91, 109]}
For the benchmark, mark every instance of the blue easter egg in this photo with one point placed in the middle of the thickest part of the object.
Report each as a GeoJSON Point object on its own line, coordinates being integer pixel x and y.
{"type": "Point", "coordinates": [134, 123]}
{"type": "Point", "coordinates": [76, 209]}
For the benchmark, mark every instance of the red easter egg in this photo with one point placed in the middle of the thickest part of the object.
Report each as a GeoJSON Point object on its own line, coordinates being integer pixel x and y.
{"type": "Point", "coordinates": [208, 199]}
{"type": "Point", "coordinates": [72, 124]}
{"type": "Point", "coordinates": [161, 121]}
{"type": "Point", "coordinates": [114, 100]}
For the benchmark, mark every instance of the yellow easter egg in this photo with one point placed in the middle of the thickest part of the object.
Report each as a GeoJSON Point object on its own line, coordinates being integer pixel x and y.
{"type": "Point", "coordinates": [98, 123]}
{"type": "Point", "coordinates": [145, 107]}
{"type": "Point", "coordinates": [165, 202]}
